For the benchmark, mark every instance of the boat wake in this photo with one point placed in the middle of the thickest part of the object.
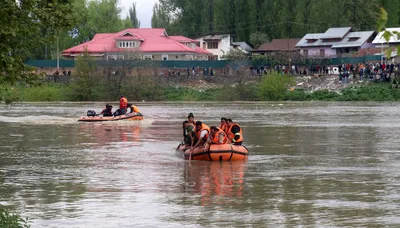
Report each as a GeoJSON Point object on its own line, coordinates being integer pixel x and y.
{"type": "Point", "coordinates": [39, 120]}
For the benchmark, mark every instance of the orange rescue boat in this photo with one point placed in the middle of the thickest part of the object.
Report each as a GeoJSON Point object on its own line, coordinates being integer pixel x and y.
{"type": "Point", "coordinates": [128, 116]}
{"type": "Point", "coordinates": [216, 152]}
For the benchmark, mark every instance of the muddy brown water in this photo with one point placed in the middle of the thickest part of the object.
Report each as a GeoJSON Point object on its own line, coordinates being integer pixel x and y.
{"type": "Point", "coordinates": [311, 164]}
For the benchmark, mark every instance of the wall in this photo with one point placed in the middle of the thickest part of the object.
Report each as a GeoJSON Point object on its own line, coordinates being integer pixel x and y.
{"type": "Point", "coordinates": [315, 52]}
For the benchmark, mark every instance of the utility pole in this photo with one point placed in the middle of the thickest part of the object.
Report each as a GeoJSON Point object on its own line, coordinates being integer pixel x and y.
{"type": "Point", "coordinates": [58, 56]}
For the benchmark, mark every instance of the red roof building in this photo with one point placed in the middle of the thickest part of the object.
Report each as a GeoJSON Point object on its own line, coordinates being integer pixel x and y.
{"type": "Point", "coordinates": [139, 43]}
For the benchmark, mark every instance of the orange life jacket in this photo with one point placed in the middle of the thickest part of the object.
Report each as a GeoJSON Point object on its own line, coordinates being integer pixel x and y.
{"type": "Point", "coordinates": [231, 136]}
{"type": "Point", "coordinates": [203, 127]}
{"type": "Point", "coordinates": [134, 108]}
{"type": "Point", "coordinates": [123, 103]}
{"type": "Point", "coordinates": [223, 127]}
{"type": "Point", "coordinates": [216, 136]}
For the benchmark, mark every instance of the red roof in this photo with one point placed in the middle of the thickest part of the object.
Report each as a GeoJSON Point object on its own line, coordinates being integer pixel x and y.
{"type": "Point", "coordinates": [183, 39]}
{"type": "Point", "coordinates": [279, 45]}
{"type": "Point", "coordinates": [153, 40]}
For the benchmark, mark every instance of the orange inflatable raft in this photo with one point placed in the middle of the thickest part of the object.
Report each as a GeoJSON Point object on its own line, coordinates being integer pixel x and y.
{"type": "Point", "coordinates": [220, 152]}
{"type": "Point", "coordinates": [128, 116]}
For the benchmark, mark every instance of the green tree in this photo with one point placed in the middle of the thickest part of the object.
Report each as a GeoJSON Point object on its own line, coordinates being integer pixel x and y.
{"type": "Point", "coordinates": [127, 23]}
{"type": "Point", "coordinates": [22, 23]}
{"type": "Point", "coordinates": [133, 16]}
{"type": "Point", "coordinates": [84, 82]}
{"type": "Point", "coordinates": [258, 38]}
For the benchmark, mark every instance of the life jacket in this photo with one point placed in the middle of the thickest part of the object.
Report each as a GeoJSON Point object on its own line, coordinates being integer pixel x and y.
{"type": "Point", "coordinates": [223, 127]}
{"type": "Point", "coordinates": [231, 136]}
{"type": "Point", "coordinates": [123, 103]}
{"type": "Point", "coordinates": [216, 136]}
{"type": "Point", "coordinates": [203, 127]}
{"type": "Point", "coordinates": [134, 109]}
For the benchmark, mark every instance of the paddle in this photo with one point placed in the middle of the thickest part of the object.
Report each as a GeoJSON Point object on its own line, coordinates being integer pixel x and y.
{"type": "Point", "coordinates": [191, 150]}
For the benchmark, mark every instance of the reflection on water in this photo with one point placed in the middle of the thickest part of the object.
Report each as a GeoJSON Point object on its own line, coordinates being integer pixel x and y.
{"type": "Point", "coordinates": [215, 182]}
{"type": "Point", "coordinates": [310, 164]}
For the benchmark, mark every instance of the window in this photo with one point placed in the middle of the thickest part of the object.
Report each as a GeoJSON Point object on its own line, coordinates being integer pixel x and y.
{"type": "Point", "coordinates": [212, 45]}
{"type": "Point", "coordinates": [310, 41]}
{"type": "Point", "coordinates": [115, 57]}
{"type": "Point", "coordinates": [351, 39]}
{"type": "Point", "coordinates": [322, 53]}
{"type": "Point", "coordinates": [147, 57]}
{"type": "Point", "coordinates": [305, 53]}
{"type": "Point", "coordinates": [176, 57]}
{"type": "Point", "coordinates": [126, 44]}
{"type": "Point", "coordinates": [164, 57]}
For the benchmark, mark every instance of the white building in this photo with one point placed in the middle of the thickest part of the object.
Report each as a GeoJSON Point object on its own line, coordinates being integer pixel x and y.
{"type": "Point", "coordinates": [218, 45]}
{"type": "Point", "coordinates": [394, 40]}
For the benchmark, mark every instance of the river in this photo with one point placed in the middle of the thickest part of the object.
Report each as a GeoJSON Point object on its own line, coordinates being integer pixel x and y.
{"type": "Point", "coordinates": [311, 164]}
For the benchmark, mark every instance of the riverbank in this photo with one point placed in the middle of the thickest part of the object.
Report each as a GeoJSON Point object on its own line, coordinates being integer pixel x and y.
{"type": "Point", "coordinates": [270, 88]}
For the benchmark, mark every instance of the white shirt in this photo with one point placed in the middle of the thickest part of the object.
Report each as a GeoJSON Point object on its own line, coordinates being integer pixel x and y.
{"type": "Point", "coordinates": [203, 133]}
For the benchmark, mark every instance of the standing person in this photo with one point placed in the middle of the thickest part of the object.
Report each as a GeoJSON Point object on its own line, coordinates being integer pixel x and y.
{"type": "Point", "coordinates": [189, 134]}
{"type": "Point", "coordinates": [234, 133]}
{"type": "Point", "coordinates": [222, 125]}
{"type": "Point", "coordinates": [123, 105]}
{"type": "Point", "coordinates": [191, 119]}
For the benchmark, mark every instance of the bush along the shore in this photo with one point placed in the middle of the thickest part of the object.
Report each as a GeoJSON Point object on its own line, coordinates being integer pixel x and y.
{"type": "Point", "coordinates": [271, 87]}
{"type": "Point", "coordinates": [10, 220]}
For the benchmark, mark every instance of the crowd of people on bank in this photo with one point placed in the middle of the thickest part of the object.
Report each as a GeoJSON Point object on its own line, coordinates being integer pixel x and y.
{"type": "Point", "coordinates": [197, 134]}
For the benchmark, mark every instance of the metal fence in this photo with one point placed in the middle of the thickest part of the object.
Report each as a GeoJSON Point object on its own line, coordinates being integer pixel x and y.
{"type": "Point", "coordinates": [202, 63]}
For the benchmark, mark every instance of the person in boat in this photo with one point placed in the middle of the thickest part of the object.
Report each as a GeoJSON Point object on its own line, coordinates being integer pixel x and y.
{"type": "Point", "coordinates": [234, 132]}
{"type": "Point", "coordinates": [123, 106]}
{"type": "Point", "coordinates": [191, 119]}
{"type": "Point", "coordinates": [189, 134]}
{"type": "Point", "coordinates": [217, 136]}
{"type": "Point", "coordinates": [222, 126]}
{"type": "Point", "coordinates": [202, 132]}
{"type": "Point", "coordinates": [134, 109]}
{"type": "Point", "coordinates": [107, 111]}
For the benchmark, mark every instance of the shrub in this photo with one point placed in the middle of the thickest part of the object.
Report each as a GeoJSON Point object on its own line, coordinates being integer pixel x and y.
{"type": "Point", "coordinates": [274, 86]}
{"type": "Point", "coordinates": [11, 220]}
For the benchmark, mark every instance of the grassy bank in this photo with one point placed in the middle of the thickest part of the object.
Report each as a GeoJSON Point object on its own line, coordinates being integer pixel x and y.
{"type": "Point", "coordinates": [270, 88]}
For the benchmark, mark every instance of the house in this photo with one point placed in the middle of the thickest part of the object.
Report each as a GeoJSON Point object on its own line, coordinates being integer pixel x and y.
{"type": "Point", "coordinates": [277, 46]}
{"type": "Point", "coordinates": [380, 40]}
{"type": "Point", "coordinates": [243, 46]}
{"type": "Point", "coordinates": [218, 45]}
{"type": "Point", "coordinates": [139, 43]}
{"type": "Point", "coordinates": [335, 42]}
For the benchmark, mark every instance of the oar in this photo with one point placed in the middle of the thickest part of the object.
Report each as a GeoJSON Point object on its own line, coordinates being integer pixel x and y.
{"type": "Point", "coordinates": [191, 150]}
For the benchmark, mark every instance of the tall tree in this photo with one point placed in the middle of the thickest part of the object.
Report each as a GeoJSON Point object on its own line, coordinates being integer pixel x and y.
{"type": "Point", "coordinates": [133, 16]}
{"type": "Point", "coordinates": [22, 26]}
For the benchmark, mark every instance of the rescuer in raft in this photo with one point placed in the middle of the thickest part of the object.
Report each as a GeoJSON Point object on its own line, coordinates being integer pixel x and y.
{"type": "Point", "coordinates": [107, 111]}
{"type": "Point", "coordinates": [234, 132]}
{"type": "Point", "coordinates": [191, 119]}
{"type": "Point", "coordinates": [189, 134]}
{"type": "Point", "coordinates": [123, 105]}
{"type": "Point", "coordinates": [202, 132]}
{"type": "Point", "coordinates": [217, 136]}
{"type": "Point", "coordinates": [134, 109]}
